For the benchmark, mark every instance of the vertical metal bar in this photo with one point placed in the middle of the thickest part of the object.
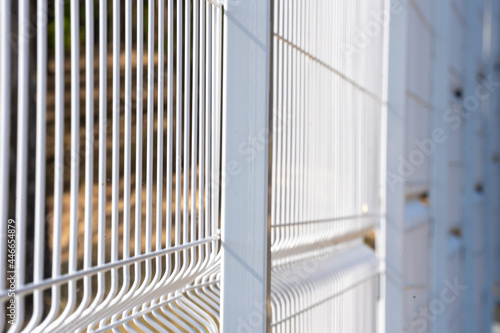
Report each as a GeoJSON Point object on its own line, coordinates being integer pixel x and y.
{"type": "Point", "coordinates": [138, 143]}
{"type": "Point", "coordinates": [89, 144]}
{"type": "Point", "coordinates": [274, 125]}
{"type": "Point", "coordinates": [472, 222]}
{"type": "Point", "coordinates": [170, 128]}
{"type": "Point", "coordinates": [294, 119]}
{"type": "Point", "coordinates": [101, 214]}
{"type": "Point", "coordinates": [187, 110]}
{"type": "Point", "coordinates": [41, 92]}
{"type": "Point", "coordinates": [208, 126]}
{"type": "Point", "coordinates": [488, 179]}
{"type": "Point", "coordinates": [492, 185]}
{"type": "Point", "coordinates": [439, 165]}
{"type": "Point", "coordinates": [89, 150]}
{"type": "Point", "coordinates": [127, 137]}
{"type": "Point", "coordinates": [495, 137]}
{"type": "Point", "coordinates": [59, 150]}
{"type": "Point", "coordinates": [159, 154]}
{"type": "Point", "coordinates": [22, 157]}
{"type": "Point", "coordinates": [138, 140]}
{"type": "Point", "coordinates": [201, 194]}
{"type": "Point", "coordinates": [115, 159]}
{"type": "Point", "coordinates": [58, 159]}
{"type": "Point", "coordinates": [396, 146]}
{"type": "Point", "coordinates": [286, 109]}
{"type": "Point", "coordinates": [75, 157]}
{"type": "Point", "coordinates": [381, 234]}
{"type": "Point", "coordinates": [212, 171]}
{"type": "Point", "coordinates": [280, 118]}
{"type": "Point", "coordinates": [194, 131]}
{"type": "Point", "coordinates": [217, 113]}
{"type": "Point", "coordinates": [149, 139]}
{"type": "Point", "coordinates": [245, 224]}
{"type": "Point", "coordinates": [215, 174]}
{"type": "Point", "coordinates": [128, 130]}
{"type": "Point", "coordinates": [5, 14]}
{"type": "Point", "coordinates": [178, 135]}
{"type": "Point", "coordinates": [115, 168]}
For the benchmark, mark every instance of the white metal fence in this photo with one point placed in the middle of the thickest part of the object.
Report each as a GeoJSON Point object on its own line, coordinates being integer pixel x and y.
{"type": "Point", "coordinates": [326, 154]}
{"type": "Point", "coordinates": [199, 165]}
{"type": "Point", "coordinates": [131, 245]}
{"type": "Point", "coordinates": [442, 110]}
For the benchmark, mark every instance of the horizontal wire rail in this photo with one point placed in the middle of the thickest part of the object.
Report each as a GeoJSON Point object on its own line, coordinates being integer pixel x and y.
{"type": "Point", "coordinates": [335, 291]}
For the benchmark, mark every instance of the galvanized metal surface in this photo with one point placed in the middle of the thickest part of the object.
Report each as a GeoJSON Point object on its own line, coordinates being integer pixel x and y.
{"type": "Point", "coordinates": [211, 166]}
{"type": "Point", "coordinates": [112, 268]}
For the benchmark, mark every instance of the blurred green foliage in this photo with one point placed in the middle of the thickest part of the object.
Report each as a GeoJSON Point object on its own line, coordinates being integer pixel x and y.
{"type": "Point", "coordinates": [51, 29]}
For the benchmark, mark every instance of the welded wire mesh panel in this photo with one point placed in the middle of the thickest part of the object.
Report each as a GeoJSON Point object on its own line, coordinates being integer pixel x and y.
{"type": "Point", "coordinates": [326, 148]}
{"type": "Point", "coordinates": [326, 126]}
{"type": "Point", "coordinates": [110, 169]}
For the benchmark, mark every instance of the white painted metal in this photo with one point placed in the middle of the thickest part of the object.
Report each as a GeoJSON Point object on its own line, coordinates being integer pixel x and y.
{"type": "Point", "coordinates": [395, 185]}
{"type": "Point", "coordinates": [5, 28]}
{"type": "Point", "coordinates": [325, 292]}
{"type": "Point", "coordinates": [381, 232]}
{"type": "Point", "coordinates": [22, 147]}
{"type": "Point", "coordinates": [490, 146]}
{"type": "Point", "coordinates": [492, 186]}
{"type": "Point", "coordinates": [272, 114]}
{"type": "Point", "coordinates": [245, 230]}
{"type": "Point", "coordinates": [326, 155]}
{"type": "Point", "coordinates": [413, 136]}
{"type": "Point", "coordinates": [439, 164]}
{"type": "Point", "coordinates": [41, 93]}
{"type": "Point", "coordinates": [474, 217]}
{"type": "Point", "coordinates": [493, 152]}
{"type": "Point", "coordinates": [428, 104]}
{"type": "Point", "coordinates": [95, 283]}
{"type": "Point", "coordinates": [326, 85]}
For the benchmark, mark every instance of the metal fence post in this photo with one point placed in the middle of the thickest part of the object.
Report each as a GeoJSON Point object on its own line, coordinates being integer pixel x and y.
{"type": "Point", "coordinates": [244, 179]}
{"type": "Point", "coordinates": [395, 190]}
{"type": "Point", "coordinates": [473, 222]}
{"type": "Point", "coordinates": [381, 234]}
{"type": "Point", "coordinates": [492, 154]}
{"type": "Point", "coordinates": [492, 145]}
{"type": "Point", "coordinates": [493, 151]}
{"type": "Point", "coordinates": [440, 181]}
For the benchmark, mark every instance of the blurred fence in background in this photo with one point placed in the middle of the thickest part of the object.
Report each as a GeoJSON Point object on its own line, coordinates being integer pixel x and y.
{"type": "Point", "coordinates": [442, 166]}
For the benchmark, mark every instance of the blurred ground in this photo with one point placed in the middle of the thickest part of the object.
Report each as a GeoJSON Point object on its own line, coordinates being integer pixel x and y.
{"type": "Point", "coordinates": [496, 325]}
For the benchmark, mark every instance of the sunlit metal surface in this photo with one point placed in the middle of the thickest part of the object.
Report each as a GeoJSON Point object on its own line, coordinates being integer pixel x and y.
{"type": "Point", "coordinates": [129, 247]}
{"type": "Point", "coordinates": [326, 155]}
